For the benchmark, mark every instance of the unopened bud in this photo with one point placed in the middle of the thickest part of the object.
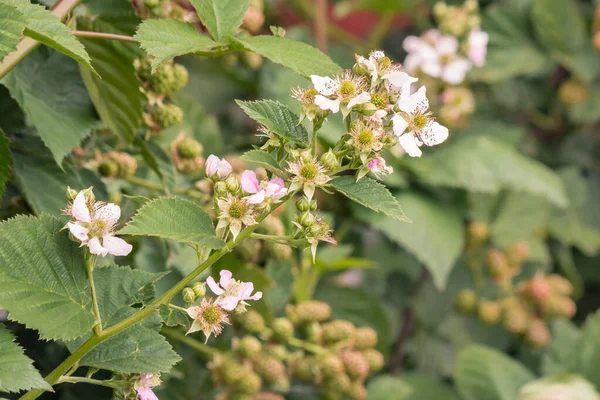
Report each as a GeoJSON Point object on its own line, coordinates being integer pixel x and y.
{"type": "Point", "coordinates": [283, 329]}
{"type": "Point", "coordinates": [189, 296]}
{"type": "Point", "coordinates": [572, 92]}
{"type": "Point", "coordinates": [538, 334]}
{"type": "Point", "coordinates": [497, 263]}
{"type": "Point", "coordinates": [199, 289]}
{"type": "Point", "coordinates": [466, 301]}
{"type": "Point", "coordinates": [367, 109]}
{"type": "Point", "coordinates": [515, 321]}
{"type": "Point", "coordinates": [303, 204]}
{"type": "Point", "coordinates": [329, 160]}
{"type": "Point", "coordinates": [270, 369]}
{"type": "Point", "coordinates": [71, 194]}
{"type": "Point", "coordinates": [233, 184]}
{"type": "Point", "coordinates": [365, 338]}
{"type": "Point", "coordinates": [89, 195]}
{"type": "Point", "coordinates": [489, 312]}
{"type": "Point", "coordinates": [537, 289]}
{"type": "Point", "coordinates": [220, 189]}
{"type": "Point", "coordinates": [375, 360]}
{"type": "Point", "coordinates": [307, 219]}
{"type": "Point", "coordinates": [312, 311]}
{"type": "Point", "coordinates": [338, 330]}
{"type": "Point", "coordinates": [560, 306]}
{"type": "Point", "coordinates": [360, 69]}
{"type": "Point", "coordinates": [517, 253]}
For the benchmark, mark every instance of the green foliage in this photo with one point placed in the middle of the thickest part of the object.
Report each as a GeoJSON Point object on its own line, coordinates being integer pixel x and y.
{"type": "Point", "coordinates": [174, 218]}
{"type": "Point", "coordinates": [42, 278]}
{"type": "Point", "coordinates": [409, 387]}
{"type": "Point", "coordinates": [300, 57]}
{"type": "Point", "coordinates": [172, 317]}
{"type": "Point", "coordinates": [371, 194]}
{"type": "Point", "coordinates": [278, 118]}
{"type": "Point", "coordinates": [60, 109]}
{"type": "Point", "coordinates": [221, 17]}
{"type": "Point", "coordinates": [381, 387]}
{"type": "Point", "coordinates": [263, 159]}
{"type": "Point", "coordinates": [5, 162]}
{"type": "Point", "coordinates": [12, 24]}
{"type": "Point", "coordinates": [167, 39]}
{"type": "Point", "coordinates": [16, 369]}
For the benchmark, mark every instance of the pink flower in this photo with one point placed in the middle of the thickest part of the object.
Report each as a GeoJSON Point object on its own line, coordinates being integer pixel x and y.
{"type": "Point", "coordinates": [93, 223]}
{"type": "Point", "coordinates": [144, 386]}
{"type": "Point", "coordinates": [478, 41]}
{"type": "Point", "coordinates": [379, 167]}
{"type": "Point", "coordinates": [216, 167]}
{"type": "Point", "coordinates": [274, 189]}
{"type": "Point", "coordinates": [232, 292]}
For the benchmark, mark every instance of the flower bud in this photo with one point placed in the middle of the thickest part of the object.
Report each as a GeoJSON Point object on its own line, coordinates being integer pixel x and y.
{"type": "Point", "coordinates": [307, 219]}
{"type": "Point", "coordinates": [517, 253]}
{"type": "Point", "coordinates": [189, 148]}
{"type": "Point", "coordinates": [233, 184]}
{"type": "Point", "coordinates": [356, 364]}
{"type": "Point", "coordinates": [71, 193]}
{"type": "Point", "coordinates": [180, 77]}
{"type": "Point", "coordinates": [330, 365]}
{"type": "Point", "coordinates": [329, 160]}
{"type": "Point", "coordinates": [365, 338]}
{"type": "Point", "coordinates": [515, 321]}
{"type": "Point", "coordinates": [303, 204]}
{"type": "Point", "coordinates": [560, 306]}
{"type": "Point", "coordinates": [560, 285]}
{"type": "Point", "coordinates": [536, 289]}
{"type": "Point", "coordinates": [466, 301]}
{"type": "Point", "coordinates": [270, 369]}
{"type": "Point", "coordinates": [312, 311]}
{"type": "Point", "coordinates": [538, 334]}
{"type": "Point", "coordinates": [366, 109]}
{"type": "Point", "coordinates": [220, 189]}
{"type": "Point", "coordinates": [199, 289]}
{"type": "Point", "coordinates": [357, 391]}
{"type": "Point", "coordinates": [489, 312]}
{"type": "Point", "coordinates": [108, 169]}
{"type": "Point", "coordinates": [167, 115]}
{"type": "Point", "coordinates": [189, 296]}
{"type": "Point", "coordinates": [283, 329]}
{"type": "Point", "coordinates": [360, 69]}
{"type": "Point", "coordinates": [249, 384]}
{"type": "Point", "coordinates": [89, 195]}
{"type": "Point", "coordinates": [375, 360]}
{"type": "Point", "coordinates": [338, 330]}
{"type": "Point", "coordinates": [573, 92]}
{"type": "Point", "coordinates": [478, 233]}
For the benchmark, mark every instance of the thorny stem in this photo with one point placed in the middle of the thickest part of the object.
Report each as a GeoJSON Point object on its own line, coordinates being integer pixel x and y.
{"type": "Point", "coordinates": [203, 349]}
{"type": "Point", "coordinates": [145, 312]}
{"type": "Point", "coordinates": [61, 9]}
{"type": "Point", "coordinates": [91, 264]}
{"type": "Point", "coordinates": [102, 35]}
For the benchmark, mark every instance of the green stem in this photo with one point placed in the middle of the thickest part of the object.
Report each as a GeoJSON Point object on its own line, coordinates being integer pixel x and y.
{"type": "Point", "coordinates": [203, 349]}
{"type": "Point", "coordinates": [174, 307]}
{"type": "Point", "coordinates": [91, 264]}
{"type": "Point", "coordinates": [77, 379]}
{"type": "Point", "coordinates": [102, 35]}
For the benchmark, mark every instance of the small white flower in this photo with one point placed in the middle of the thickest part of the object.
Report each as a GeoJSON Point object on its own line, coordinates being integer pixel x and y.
{"type": "Point", "coordinates": [345, 90]}
{"type": "Point", "coordinates": [307, 175]}
{"type": "Point", "coordinates": [559, 387]}
{"type": "Point", "coordinates": [235, 213]}
{"type": "Point", "coordinates": [208, 317]}
{"type": "Point", "coordinates": [478, 41]}
{"type": "Point", "coordinates": [231, 292]}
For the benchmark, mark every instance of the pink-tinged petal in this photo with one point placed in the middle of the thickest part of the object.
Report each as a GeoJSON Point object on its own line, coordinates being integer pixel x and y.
{"type": "Point", "coordinates": [110, 214]}
{"type": "Point", "coordinates": [432, 36]}
{"type": "Point", "coordinates": [223, 168]}
{"type": "Point", "coordinates": [256, 198]}
{"type": "Point", "coordinates": [211, 165]}
{"type": "Point", "coordinates": [210, 281]}
{"type": "Point", "coordinates": [116, 246]}
{"type": "Point", "coordinates": [400, 125]}
{"type": "Point", "coordinates": [96, 248]}
{"type": "Point", "coordinates": [478, 41]}
{"type": "Point", "coordinates": [225, 278]}
{"type": "Point", "coordinates": [246, 290]}
{"type": "Point", "coordinates": [257, 296]}
{"type": "Point", "coordinates": [79, 209]}
{"type": "Point", "coordinates": [360, 99]}
{"type": "Point", "coordinates": [325, 104]}
{"type": "Point", "coordinates": [413, 44]}
{"type": "Point", "coordinates": [399, 78]}
{"type": "Point", "coordinates": [432, 68]}
{"type": "Point", "coordinates": [324, 84]}
{"type": "Point", "coordinates": [409, 143]}
{"type": "Point", "coordinates": [249, 182]}
{"type": "Point", "coordinates": [229, 303]}
{"type": "Point", "coordinates": [412, 62]}
{"type": "Point", "coordinates": [194, 312]}
{"type": "Point", "coordinates": [447, 46]}
{"type": "Point", "coordinates": [146, 393]}
{"type": "Point", "coordinates": [80, 232]}
{"type": "Point", "coordinates": [456, 71]}
{"type": "Point", "coordinates": [278, 181]}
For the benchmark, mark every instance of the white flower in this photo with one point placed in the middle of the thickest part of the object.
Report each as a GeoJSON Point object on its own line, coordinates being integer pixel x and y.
{"type": "Point", "coordinates": [307, 175]}
{"type": "Point", "coordinates": [478, 41]}
{"type": "Point", "coordinates": [208, 317]}
{"type": "Point", "coordinates": [345, 90]}
{"type": "Point", "coordinates": [559, 387]}
{"type": "Point", "coordinates": [416, 117]}
{"type": "Point", "coordinates": [231, 292]}
{"type": "Point", "coordinates": [235, 212]}
{"type": "Point", "coordinates": [216, 167]}
{"type": "Point", "coordinates": [93, 224]}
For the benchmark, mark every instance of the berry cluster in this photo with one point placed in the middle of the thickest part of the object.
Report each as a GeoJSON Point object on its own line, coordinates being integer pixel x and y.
{"type": "Point", "coordinates": [115, 164]}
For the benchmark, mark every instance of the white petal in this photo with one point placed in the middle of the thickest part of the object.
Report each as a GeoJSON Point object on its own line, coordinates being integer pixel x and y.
{"type": "Point", "coordinates": [257, 296]}
{"type": "Point", "coordinates": [413, 62]}
{"type": "Point", "coordinates": [434, 134]}
{"type": "Point", "coordinates": [309, 190]}
{"type": "Point", "coordinates": [210, 281]}
{"type": "Point", "coordinates": [194, 312]}
{"type": "Point", "coordinates": [432, 68]}
{"type": "Point", "coordinates": [79, 209]}
{"type": "Point", "coordinates": [399, 78]}
{"type": "Point", "coordinates": [324, 84]}
{"type": "Point", "coordinates": [455, 72]}
{"type": "Point", "coordinates": [412, 44]}
{"type": "Point", "coordinates": [478, 41]}
{"type": "Point", "coordinates": [400, 125]}
{"type": "Point", "coordinates": [225, 278]}
{"type": "Point", "coordinates": [116, 246]}
{"type": "Point", "coordinates": [110, 213]}
{"type": "Point", "coordinates": [408, 142]}
{"type": "Point", "coordinates": [411, 103]}
{"type": "Point", "coordinates": [325, 104]}
{"type": "Point", "coordinates": [247, 289]}
{"type": "Point", "coordinates": [447, 45]}
{"type": "Point", "coordinates": [229, 303]}
{"type": "Point", "coordinates": [96, 248]}
{"type": "Point", "coordinates": [360, 99]}
{"type": "Point", "coordinates": [80, 232]}
{"type": "Point", "coordinates": [256, 198]}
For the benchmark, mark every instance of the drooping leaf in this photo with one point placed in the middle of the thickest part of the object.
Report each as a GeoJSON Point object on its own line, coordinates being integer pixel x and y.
{"type": "Point", "coordinates": [221, 17]}
{"type": "Point", "coordinates": [297, 56]}
{"type": "Point", "coordinates": [435, 237]}
{"type": "Point", "coordinates": [483, 373]}
{"type": "Point", "coordinates": [117, 13]}
{"type": "Point", "coordinates": [12, 24]}
{"type": "Point", "coordinates": [42, 277]}
{"type": "Point", "coordinates": [165, 39]}
{"type": "Point", "coordinates": [278, 118]}
{"type": "Point", "coordinates": [174, 218]}
{"type": "Point", "coordinates": [16, 370]}
{"type": "Point", "coordinates": [371, 194]}
{"type": "Point", "coordinates": [47, 28]}
{"type": "Point", "coordinates": [5, 162]}
{"type": "Point", "coordinates": [263, 159]}
{"type": "Point", "coordinates": [382, 387]}
{"type": "Point", "coordinates": [173, 317]}
{"type": "Point", "coordinates": [47, 86]}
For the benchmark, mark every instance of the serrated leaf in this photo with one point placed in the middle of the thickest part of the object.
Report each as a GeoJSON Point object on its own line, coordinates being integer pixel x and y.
{"type": "Point", "coordinates": [174, 218]}
{"type": "Point", "coordinates": [173, 317]}
{"type": "Point", "coordinates": [16, 369]}
{"type": "Point", "coordinates": [47, 86]}
{"type": "Point", "coordinates": [12, 24]}
{"type": "Point", "coordinates": [42, 277]}
{"type": "Point", "coordinates": [483, 373]}
{"type": "Point", "coordinates": [297, 56]}
{"type": "Point", "coordinates": [221, 17]}
{"type": "Point", "coordinates": [485, 164]}
{"type": "Point", "coordinates": [435, 237]}
{"type": "Point", "coordinates": [278, 118]}
{"type": "Point", "coordinates": [370, 194]}
{"type": "Point", "coordinates": [165, 39]}
{"type": "Point", "coordinates": [263, 159]}
{"type": "Point", "coordinates": [47, 28]}
{"type": "Point", "coordinates": [117, 13]}
{"type": "Point", "coordinates": [5, 162]}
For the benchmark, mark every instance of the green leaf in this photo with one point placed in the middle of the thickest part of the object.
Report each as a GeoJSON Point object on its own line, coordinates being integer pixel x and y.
{"type": "Point", "coordinates": [117, 13]}
{"type": "Point", "coordinates": [47, 86]}
{"type": "Point", "coordinates": [221, 17]}
{"type": "Point", "coordinates": [278, 118]}
{"type": "Point", "coordinates": [485, 164]}
{"type": "Point", "coordinates": [42, 277]}
{"type": "Point", "coordinates": [263, 159]}
{"type": "Point", "coordinates": [297, 56]}
{"type": "Point", "coordinates": [117, 96]}
{"type": "Point", "coordinates": [173, 317]}
{"type": "Point", "coordinates": [371, 194]}
{"type": "Point", "coordinates": [427, 388]}
{"type": "Point", "coordinates": [12, 23]}
{"type": "Point", "coordinates": [435, 237]}
{"type": "Point", "coordinates": [5, 162]}
{"type": "Point", "coordinates": [382, 387]}
{"type": "Point", "coordinates": [562, 355]}
{"type": "Point", "coordinates": [165, 39]}
{"type": "Point", "coordinates": [139, 348]}
{"type": "Point", "coordinates": [174, 218]}
{"type": "Point", "coordinates": [483, 373]}
{"type": "Point", "coordinates": [16, 370]}
{"type": "Point", "coordinates": [47, 28]}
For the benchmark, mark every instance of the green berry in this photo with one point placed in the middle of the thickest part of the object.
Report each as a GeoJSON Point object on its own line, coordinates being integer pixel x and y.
{"type": "Point", "coordinates": [466, 301]}
{"type": "Point", "coordinates": [270, 369]}
{"type": "Point", "coordinates": [249, 384]}
{"type": "Point", "coordinates": [249, 346]}
{"type": "Point", "coordinates": [312, 311]}
{"type": "Point", "coordinates": [108, 169]}
{"type": "Point", "coordinates": [190, 148]}
{"type": "Point", "coordinates": [283, 329]}
{"type": "Point", "coordinates": [365, 338]}
{"type": "Point", "coordinates": [339, 383]}
{"type": "Point", "coordinates": [330, 365]}
{"type": "Point", "coordinates": [306, 369]}
{"type": "Point", "coordinates": [357, 391]}
{"type": "Point", "coordinates": [180, 77]}
{"type": "Point", "coordinates": [489, 312]}
{"type": "Point", "coordinates": [375, 360]}
{"type": "Point", "coordinates": [161, 82]}
{"type": "Point", "coordinates": [355, 364]}
{"type": "Point", "coordinates": [338, 330]}
{"type": "Point", "coordinates": [167, 115]}
{"type": "Point", "coordinates": [252, 322]}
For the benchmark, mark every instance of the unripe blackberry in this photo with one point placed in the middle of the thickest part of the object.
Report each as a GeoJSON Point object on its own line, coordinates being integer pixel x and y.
{"type": "Point", "coordinates": [365, 338]}
{"type": "Point", "coordinates": [537, 289]}
{"type": "Point", "coordinates": [189, 148]}
{"type": "Point", "coordinates": [252, 322]}
{"type": "Point", "coordinates": [489, 312]}
{"type": "Point", "coordinates": [180, 77]}
{"type": "Point", "coordinates": [466, 301]}
{"type": "Point", "coordinates": [283, 329]}
{"type": "Point", "coordinates": [249, 346]}
{"type": "Point", "coordinates": [199, 289]}
{"type": "Point", "coordinates": [338, 330]}
{"type": "Point", "coordinates": [375, 360]}
{"type": "Point", "coordinates": [161, 81]}
{"type": "Point", "coordinates": [127, 164]}
{"type": "Point", "coordinates": [231, 371]}
{"type": "Point", "coordinates": [560, 285]}
{"type": "Point", "coordinates": [188, 295]}
{"type": "Point", "coordinates": [572, 92]}
{"type": "Point", "coordinates": [267, 396]}
{"type": "Point", "coordinates": [143, 67]}
{"type": "Point", "coordinates": [252, 60]}
{"type": "Point", "coordinates": [313, 332]}
{"type": "Point", "coordinates": [330, 365]}
{"type": "Point", "coordinates": [515, 321]}
{"type": "Point", "coordinates": [355, 364]}
{"type": "Point", "coordinates": [538, 334]}
{"type": "Point", "coordinates": [108, 169]}
{"type": "Point", "coordinates": [306, 369]}
{"type": "Point", "coordinates": [249, 384]}
{"type": "Point", "coordinates": [312, 311]}
{"type": "Point", "coordinates": [517, 253]}
{"type": "Point", "coordinates": [176, 12]}
{"type": "Point", "coordinates": [496, 262]}
{"type": "Point", "coordinates": [152, 3]}
{"type": "Point", "coordinates": [167, 115]}
{"type": "Point", "coordinates": [249, 249]}
{"type": "Point", "coordinates": [478, 232]}
{"type": "Point", "coordinates": [278, 251]}
{"type": "Point", "coordinates": [271, 226]}
{"type": "Point", "coordinates": [339, 383]}
{"type": "Point", "coordinates": [560, 306]}
{"type": "Point", "coordinates": [357, 392]}
{"type": "Point", "coordinates": [270, 369]}
{"type": "Point", "coordinates": [277, 350]}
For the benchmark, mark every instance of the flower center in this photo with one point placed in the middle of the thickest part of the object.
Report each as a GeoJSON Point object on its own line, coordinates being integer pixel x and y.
{"type": "Point", "coordinates": [365, 137]}
{"type": "Point", "coordinates": [309, 171]}
{"type": "Point", "coordinates": [237, 209]}
{"type": "Point", "coordinates": [212, 314]}
{"type": "Point", "coordinates": [379, 100]}
{"type": "Point", "coordinates": [347, 88]}
{"type": "Point", "coordinates": [420, 121]}
{"type": "Point", "coordinates": [98, 227]}
{"type": "Point", "coordinates": [310, 94]}
{"type": "Point", "coordinates": [385, 62]}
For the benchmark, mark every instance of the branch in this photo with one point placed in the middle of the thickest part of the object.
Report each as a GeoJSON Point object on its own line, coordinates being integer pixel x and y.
{"type": "Point", "coordinates": [102, 35]}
